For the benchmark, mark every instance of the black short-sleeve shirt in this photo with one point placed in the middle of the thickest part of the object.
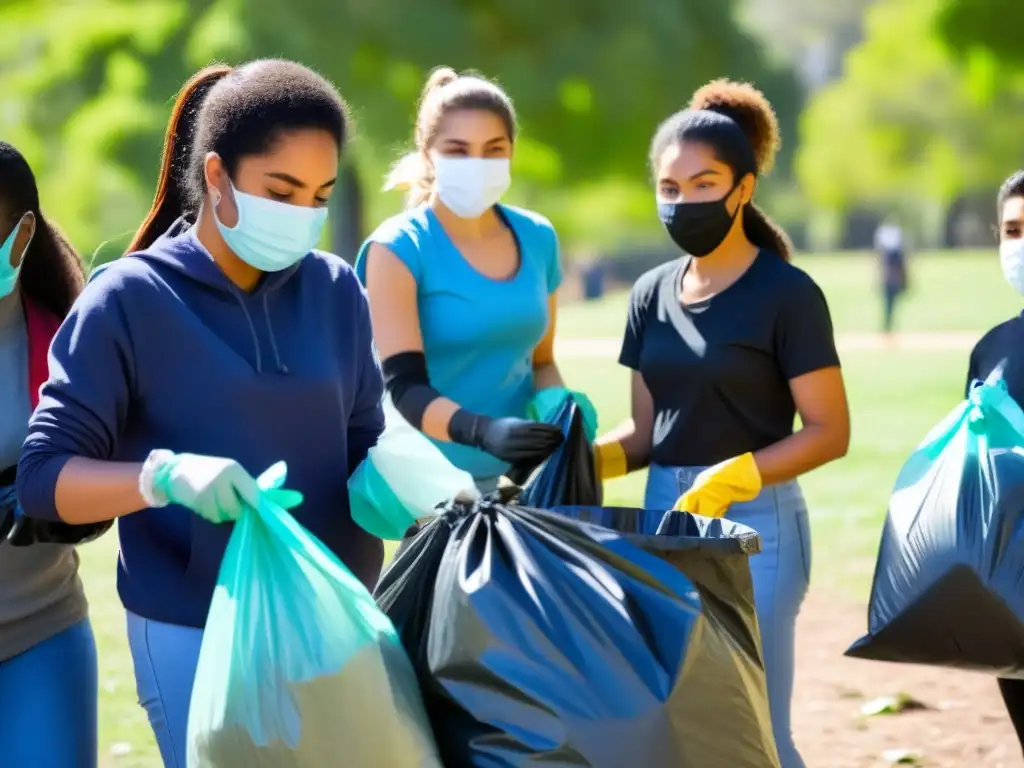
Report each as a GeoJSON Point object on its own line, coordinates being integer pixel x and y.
{"type": "Point", "coordinates": [719, 371]}
{"type": "Point", "coordinates": [1002, 346]}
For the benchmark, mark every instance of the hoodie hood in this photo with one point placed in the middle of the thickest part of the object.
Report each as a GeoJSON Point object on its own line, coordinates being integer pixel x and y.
{"type": "Point", "coordinates": [179, 249]}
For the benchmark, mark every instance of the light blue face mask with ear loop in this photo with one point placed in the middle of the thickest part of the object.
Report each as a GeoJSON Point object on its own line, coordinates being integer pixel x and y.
{"type": "Point", "coordinates": [270, 235]}
{"type": "Point", "coordinates": [8, 272]}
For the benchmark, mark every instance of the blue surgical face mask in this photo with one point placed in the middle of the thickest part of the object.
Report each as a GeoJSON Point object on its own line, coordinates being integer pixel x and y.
{"type": "Point", "coordinates": [271, 236]}
{"type": "Point", "coordinates": [1011, 258]}
{"type": "Point", "coordinates": [9, 273]}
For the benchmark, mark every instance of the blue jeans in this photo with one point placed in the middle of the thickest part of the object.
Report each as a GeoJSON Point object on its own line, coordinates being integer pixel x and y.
{"type": "Point", "coordinates": [48, 703]}
{"type": "Point", "coordinates": [781, 575]}
{"type": "Point", "coordinates": [165, 658]}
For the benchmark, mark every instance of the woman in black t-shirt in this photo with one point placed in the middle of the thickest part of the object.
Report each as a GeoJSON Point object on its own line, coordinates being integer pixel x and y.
{"type": "Point", "coordinates": [1004, 346]}
{"type": "Point", "coordinates": [728, 343]}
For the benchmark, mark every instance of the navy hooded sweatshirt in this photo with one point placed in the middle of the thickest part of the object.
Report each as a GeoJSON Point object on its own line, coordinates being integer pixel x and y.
{"type": "Point", "coordinates": [163, 351]}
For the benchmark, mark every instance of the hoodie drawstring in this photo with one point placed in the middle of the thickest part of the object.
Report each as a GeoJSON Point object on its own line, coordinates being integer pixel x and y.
{"type": "Point", "coordinates": [281, 367]}
{"type": "Point", "coordinates": [252, 331]}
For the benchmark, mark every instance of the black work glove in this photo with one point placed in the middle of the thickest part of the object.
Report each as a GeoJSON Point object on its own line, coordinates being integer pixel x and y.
{"type": "Point", "coordinates": [516, 441]}
{"type": "Point", "coordinates": [13, 527]}
{"type": "Point", "coordinates": [16, 530]}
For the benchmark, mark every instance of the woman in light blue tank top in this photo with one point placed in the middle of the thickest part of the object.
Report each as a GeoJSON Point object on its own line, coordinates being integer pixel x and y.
{"type": "Point", "coordinates": [462, 289]}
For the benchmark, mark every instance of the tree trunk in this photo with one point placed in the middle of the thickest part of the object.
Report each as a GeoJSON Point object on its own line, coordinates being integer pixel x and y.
{"type": "Point", "coordinates": [347, 228]}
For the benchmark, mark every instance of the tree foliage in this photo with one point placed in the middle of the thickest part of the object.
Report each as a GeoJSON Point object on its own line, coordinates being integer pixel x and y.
{"type": "Point", "coordinates": [906, 120]}
{"type": "Point", "coordinates": [996, 26]}
{"type": "Point", "coordinates": [85, 85]}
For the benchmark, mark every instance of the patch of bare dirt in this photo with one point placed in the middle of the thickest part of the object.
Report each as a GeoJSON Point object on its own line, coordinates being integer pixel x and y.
{"type": "Point", "coordinates": [963, 726]}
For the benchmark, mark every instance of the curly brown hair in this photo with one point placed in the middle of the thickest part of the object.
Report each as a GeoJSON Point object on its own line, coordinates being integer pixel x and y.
{"type": "Point", "coordinates": [750, 110]}
{"type": "Point", "coordinates": [738, 123]}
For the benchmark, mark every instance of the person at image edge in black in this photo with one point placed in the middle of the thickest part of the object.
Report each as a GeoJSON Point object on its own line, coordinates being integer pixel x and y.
{"type": "Point", "coordinates": [1004, 346]}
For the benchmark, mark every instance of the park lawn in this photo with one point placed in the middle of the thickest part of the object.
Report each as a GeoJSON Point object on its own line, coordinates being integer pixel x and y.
{"type": "Point", "coordinates": [896, 396]}
{"type": "Point", "coordinates": [952, 291]}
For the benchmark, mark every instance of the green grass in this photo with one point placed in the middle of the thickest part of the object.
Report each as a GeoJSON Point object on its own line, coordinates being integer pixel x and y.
{"type": "Point", "coordinates": [896, 396]}
{"type": "Point", "coordinates": [952, 291]}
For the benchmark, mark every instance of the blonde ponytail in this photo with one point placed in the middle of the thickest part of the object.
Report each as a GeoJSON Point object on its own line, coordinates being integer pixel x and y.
{"type": "Point", "coordinates": [413, 172]}
{"type": "Point", "coordinates": [413, 175]}
{"type": "Point", "coordinates": [439, 78]}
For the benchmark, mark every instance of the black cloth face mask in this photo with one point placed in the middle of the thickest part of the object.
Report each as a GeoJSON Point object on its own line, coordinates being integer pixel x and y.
{"type": "Point", "coordinates": [699, 228]}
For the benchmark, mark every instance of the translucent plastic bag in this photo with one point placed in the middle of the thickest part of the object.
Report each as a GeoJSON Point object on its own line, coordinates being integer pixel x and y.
{"type": "Point", "coordinates": [403, 479]}
{"type": "Point", "coordinates": [298, 667]}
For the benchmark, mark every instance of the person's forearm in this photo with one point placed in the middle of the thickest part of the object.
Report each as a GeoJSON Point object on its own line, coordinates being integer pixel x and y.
{"type": "Point", "coordinates": [546, 376]}
{"type": "Point", "coordinates": [424, 407]}
{"type": "Point", "coordinates": [813, 446]}
{"type": "Point", "coordinates": [438, 417]}
{"type": "Point", "coordinates": [90, 491]}
{"type": "Point", "coordinates": [636, 445]}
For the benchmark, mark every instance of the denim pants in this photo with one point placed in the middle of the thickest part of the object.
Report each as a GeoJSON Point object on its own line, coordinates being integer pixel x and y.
{"type": "Point", "coordinates": [165, 658]}
{"type": "Point", "coordinates": [48, 701]}
{"type": "Point", "coordinates": [781, 575]}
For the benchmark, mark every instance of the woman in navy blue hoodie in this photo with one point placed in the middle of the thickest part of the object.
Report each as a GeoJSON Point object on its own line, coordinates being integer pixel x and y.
{"type": "Point", "coordinates": [221, 344]}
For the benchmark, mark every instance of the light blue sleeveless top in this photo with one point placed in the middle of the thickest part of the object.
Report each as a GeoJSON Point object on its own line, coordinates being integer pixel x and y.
{"type": "Point", "coordinates": [479, 334]}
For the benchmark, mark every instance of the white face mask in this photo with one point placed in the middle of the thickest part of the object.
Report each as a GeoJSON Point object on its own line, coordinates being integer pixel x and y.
{"type": "Point", "coordinates": [468, 186]}
{"type": "Point", "coordinates": [1011, 258]}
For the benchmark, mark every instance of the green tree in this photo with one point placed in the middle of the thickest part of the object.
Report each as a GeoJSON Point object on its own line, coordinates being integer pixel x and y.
{"type": "Point", "coordinates": [996, 26]}
{"type": "Point", "coordinates": [85, 95]}
{"type": "Point", "coordinates": [906, 121]}
{"type": "Point", "coordinates": [86, 84]}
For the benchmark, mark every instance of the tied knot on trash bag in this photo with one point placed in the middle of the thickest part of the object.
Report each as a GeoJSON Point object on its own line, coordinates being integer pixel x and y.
{"type": "Point", "coordinates": [986, 400]}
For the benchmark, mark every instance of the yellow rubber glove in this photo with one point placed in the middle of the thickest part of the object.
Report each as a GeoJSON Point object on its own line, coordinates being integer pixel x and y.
{"type": "Point", "coordinates": [717, 487]}
{"type": "Point", "coordinates": [610, 460]}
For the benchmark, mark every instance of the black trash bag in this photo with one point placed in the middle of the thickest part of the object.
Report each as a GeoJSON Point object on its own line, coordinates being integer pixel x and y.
{"type": "Point", "coordinates": [17, 530]}
{"type": "Point", "coordinates": [543, 639]}
{"type": "Point", "coordinates": [568, 476]}
{"type": "Point", "coordinates": [949, 583]}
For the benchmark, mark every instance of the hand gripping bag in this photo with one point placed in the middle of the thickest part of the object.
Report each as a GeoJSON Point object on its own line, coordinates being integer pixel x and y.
{"type": "Point", "coordinates": [298, 668]}
{"type": "Point", "coordinates": [949, 581]}
{"type": "Point", "coordinates": [403, 479]}
{"type": "Point", "coordinates": [568, 476]}
{"type": "Point", "coordinates": [575, 638]}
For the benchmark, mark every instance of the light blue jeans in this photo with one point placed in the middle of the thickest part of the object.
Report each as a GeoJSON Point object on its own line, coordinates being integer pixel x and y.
{"type": "Point", "coordinates": [781, 575]}
{"type": "Point", "coordinates": [165, 658]}
{"type": "Point", "coordinates": [48, 703]}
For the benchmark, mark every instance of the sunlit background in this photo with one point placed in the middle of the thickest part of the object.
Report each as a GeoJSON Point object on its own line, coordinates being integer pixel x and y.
{"type": "Point", "coordinates": [905, 108]}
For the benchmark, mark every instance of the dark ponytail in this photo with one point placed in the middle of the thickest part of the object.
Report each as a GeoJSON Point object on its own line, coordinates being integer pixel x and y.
{"type": "Point", "coordinates": [51, 274]}
{"type": "Point", "coordinates": [765, 233]}
{"type": "Point", "coordinates": [173, 199]}
{"type": "Point", "coordinates": [51, 270]}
